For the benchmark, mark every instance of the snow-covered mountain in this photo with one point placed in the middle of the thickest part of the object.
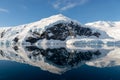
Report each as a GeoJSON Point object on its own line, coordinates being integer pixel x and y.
{"type": "Point", "coordinates": [56, 28]}
{"type": "Point", "coordinates": [111, 28]}
{"type": "Point", "coordinates": [47, 44]}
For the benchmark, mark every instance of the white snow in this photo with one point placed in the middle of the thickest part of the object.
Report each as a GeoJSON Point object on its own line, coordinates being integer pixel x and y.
{"type": "Point", "coordinates": [111, 28]}
{"type": "Point", "coordinates": [108, 30]}
{"type": "Point", "coordinates": [40, 26]}
{"type": "Point", "coordinates": [50, 34]}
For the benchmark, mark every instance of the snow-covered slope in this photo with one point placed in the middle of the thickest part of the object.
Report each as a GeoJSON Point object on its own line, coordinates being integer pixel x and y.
{"type": "Point", "coordinates": [57, 27]}
{"type": "Point", "coordinates": [111, 28]}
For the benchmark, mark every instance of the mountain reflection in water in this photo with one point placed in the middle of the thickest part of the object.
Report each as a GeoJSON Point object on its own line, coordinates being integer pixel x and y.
{"type": "Point", "coordinates": [61, 59]}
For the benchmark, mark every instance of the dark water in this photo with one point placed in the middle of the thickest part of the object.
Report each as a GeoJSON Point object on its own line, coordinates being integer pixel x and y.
{"type": "Point", "coordinates": [35, 63]}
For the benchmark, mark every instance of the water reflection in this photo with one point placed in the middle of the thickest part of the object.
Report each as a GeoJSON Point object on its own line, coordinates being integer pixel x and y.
{"type": "Point", "coordinates": [61, 59]}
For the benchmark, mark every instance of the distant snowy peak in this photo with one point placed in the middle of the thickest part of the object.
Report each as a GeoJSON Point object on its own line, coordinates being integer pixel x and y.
{"type": "Point", "coordinates": [104, 24]}
{"type": "Point", "coordinates": [111, 28]}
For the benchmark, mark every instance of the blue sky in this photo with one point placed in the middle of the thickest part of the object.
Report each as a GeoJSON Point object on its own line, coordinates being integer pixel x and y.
{"type": "Point", "coordinates": [16, 12]}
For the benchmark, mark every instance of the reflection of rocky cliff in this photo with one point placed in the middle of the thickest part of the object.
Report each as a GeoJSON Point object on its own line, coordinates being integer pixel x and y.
{"type": "Point", "coordinates": [61, 57]}
{"type": "Point", "coordinates": [56, 60]}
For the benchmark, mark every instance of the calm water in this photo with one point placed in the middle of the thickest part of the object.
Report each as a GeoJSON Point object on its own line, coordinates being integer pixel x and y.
{"type": "Point", "coordinates": [59, 63]}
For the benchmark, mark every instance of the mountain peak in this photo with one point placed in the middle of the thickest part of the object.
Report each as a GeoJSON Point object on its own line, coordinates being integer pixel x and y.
{"type": "Point", "coordinates": [53, 20]}
{"type": "Point", "coordinates": [57, 18]}
{"type": "Point", "coordinates": [58, 15]}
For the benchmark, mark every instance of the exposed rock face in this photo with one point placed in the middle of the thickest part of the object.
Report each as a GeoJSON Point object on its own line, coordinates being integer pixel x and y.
{"type": "Point", "coordinates": [61, 31]}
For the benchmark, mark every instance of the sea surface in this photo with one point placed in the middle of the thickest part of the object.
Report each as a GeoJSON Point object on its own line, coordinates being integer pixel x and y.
{"type": "Point", "coordinates": [60, 63]}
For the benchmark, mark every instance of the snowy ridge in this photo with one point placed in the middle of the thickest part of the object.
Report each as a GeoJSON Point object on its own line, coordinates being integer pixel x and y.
{"type": "Point", "coordinates": [111, 28]}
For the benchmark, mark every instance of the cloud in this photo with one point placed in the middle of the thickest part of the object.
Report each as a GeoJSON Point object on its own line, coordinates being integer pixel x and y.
{"type": "Point", "coordinates": [4, 10]}
{"type": "Point", "coordinates": [63, 5]}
